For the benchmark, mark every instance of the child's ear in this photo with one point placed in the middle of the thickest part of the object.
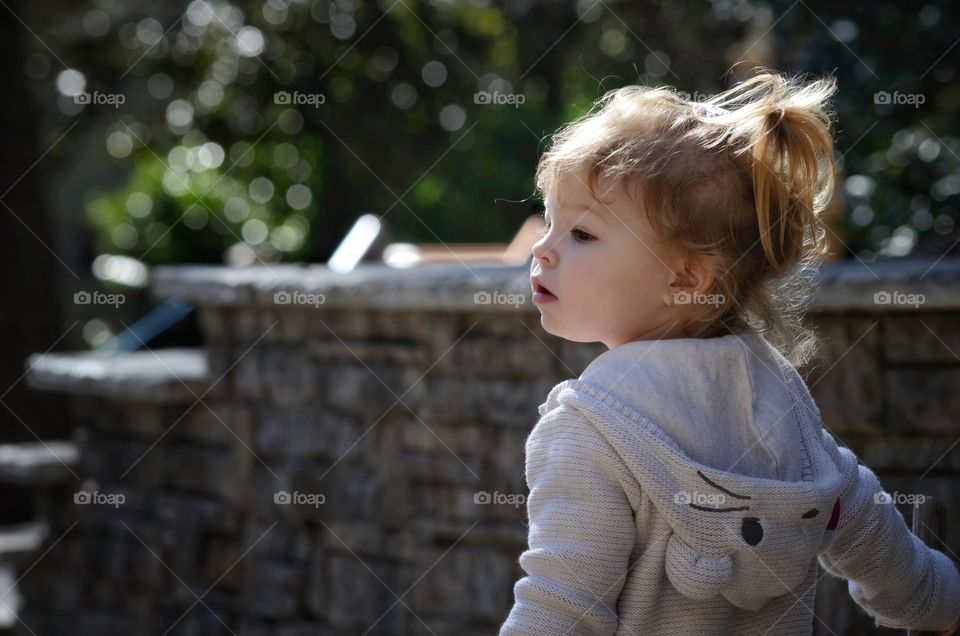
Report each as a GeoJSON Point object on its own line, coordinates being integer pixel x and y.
{"type": "Point", "coordinates": [702, 275]}
{"type": "Point", "coordinates": [692, 274]}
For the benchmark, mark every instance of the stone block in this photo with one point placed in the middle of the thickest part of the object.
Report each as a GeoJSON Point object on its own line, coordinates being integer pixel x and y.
{"type": "Point", "coordinates": [846, 380]}
{"type": "Point", "coordinates": [499, 356]}
{"type": "Point", "coordinates": [305, 431]}
{"type": "Point", "coordinates": [216, 422]}
{"type": "Point", "coordinates": [203, 470]}
{"type": "Point", "coordinates": [273, 589]}
{"type": "Point", "coordinates": [924, 400]}
{"type": "Point", "coordinates": [464, 582]}
{"type": "Point", "coordinates": [372, 388]}
{"type": "Point", "coordinates": [921, 338]}
{"type": "Point", "coordinates": [502, 402]}
{"type": "Point", "coordinates": [360, 594]}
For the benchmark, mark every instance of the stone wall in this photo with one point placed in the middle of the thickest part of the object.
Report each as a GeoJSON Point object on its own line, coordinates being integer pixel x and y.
{"type": "Point", "coordinates": [345, 455]}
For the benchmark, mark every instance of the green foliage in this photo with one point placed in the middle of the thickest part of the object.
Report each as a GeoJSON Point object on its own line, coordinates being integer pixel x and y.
{"type": "Point", "coordinates": [215, 154]}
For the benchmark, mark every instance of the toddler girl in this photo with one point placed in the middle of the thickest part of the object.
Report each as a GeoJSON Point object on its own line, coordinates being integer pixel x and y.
{"type": "Point", "coordinates": [684, 483]}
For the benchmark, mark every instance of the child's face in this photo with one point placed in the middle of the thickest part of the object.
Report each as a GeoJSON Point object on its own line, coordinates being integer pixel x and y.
{"type": "Point", "coordinates": [606, 269]}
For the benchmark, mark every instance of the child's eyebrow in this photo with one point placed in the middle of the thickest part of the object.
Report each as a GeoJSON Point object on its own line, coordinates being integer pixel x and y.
{"type": "Point", "coordinates": [580, 211]}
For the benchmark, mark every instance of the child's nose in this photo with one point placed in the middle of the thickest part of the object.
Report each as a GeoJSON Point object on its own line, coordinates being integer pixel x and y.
{"type": "Point", "coordinates": [542, 252]}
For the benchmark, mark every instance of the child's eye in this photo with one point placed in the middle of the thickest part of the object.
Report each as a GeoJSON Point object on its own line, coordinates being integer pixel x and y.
{"type": "Point", "coordinates": [581, 236]}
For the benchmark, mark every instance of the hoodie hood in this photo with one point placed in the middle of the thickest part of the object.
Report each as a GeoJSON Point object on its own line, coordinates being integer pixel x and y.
{"type": "Point", "coordinates": [746, 524]}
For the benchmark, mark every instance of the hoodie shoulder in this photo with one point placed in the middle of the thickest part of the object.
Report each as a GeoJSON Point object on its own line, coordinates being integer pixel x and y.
{"type": "Point", "coordinates": [727, 401]}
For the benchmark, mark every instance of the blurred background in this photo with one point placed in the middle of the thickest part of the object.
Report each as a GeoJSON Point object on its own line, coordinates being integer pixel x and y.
{"type": "Point", "coordinates": [147, 133]}
{"type": "Point", "coordinates": [150, 133]}
{"type": "Point", "coordinates": [217, 132]}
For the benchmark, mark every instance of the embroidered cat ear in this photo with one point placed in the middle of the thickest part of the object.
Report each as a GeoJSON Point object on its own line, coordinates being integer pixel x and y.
{"type": "Point", "coordinates": [834, 516]}
{"type": "Point", "coordinates": [827, 539]}
{"type": "Point", "coordinates": [696, 575]}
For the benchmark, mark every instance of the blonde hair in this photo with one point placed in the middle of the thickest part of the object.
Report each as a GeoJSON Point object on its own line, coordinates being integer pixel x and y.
{"type": "Point", "coordinates": [740, 179]}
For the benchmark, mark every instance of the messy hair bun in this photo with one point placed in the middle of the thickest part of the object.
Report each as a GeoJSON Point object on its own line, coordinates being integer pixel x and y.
{"type": "Point", "coordinates": [740, 179]}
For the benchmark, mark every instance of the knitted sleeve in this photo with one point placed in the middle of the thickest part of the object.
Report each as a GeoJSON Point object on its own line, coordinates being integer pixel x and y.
{"type": "Point", "coordinates": [581, 532]}
{"type": "Point", "coordinates": [890, 572]}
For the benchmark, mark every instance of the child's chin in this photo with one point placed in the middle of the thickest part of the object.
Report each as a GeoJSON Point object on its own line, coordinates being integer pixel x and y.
{"type": "Point", "coordinates": [570, 336]}
{"type": "Point", "coordinates": [549, 324]}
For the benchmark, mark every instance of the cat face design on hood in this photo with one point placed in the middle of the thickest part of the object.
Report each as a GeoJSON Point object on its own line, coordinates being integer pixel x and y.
{"type": "Point", "coordinates": [749, 539]}
{"type": "Point", "coordinates": [737, 547]}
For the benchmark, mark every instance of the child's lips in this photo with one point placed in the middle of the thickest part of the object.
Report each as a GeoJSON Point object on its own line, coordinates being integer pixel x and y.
{"type": "Point", "coordinates": [541, 294]}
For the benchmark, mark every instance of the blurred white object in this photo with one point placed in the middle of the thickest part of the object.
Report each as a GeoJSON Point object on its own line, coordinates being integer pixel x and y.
{"type": "Point", "coordinates": [355, 244]}
{"type": "Point", "coordinates": [401, 255]}
{"type": "Point", "coordinates": [240, 255]}
{"type": "Point", "coordinates": [119, 269]}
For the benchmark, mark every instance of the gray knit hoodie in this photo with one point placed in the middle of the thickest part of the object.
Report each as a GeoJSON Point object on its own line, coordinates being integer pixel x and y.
{"type": "Point", "coordinates": [688, 486]}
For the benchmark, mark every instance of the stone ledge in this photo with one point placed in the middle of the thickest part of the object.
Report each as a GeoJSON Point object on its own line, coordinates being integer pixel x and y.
{"type": "Point", "coordinates": [851, 285]}
{"type": "Point", "coordinates": [22, 540]}
{"type": "Point", "coordinates": [20, 546]}
{"type": "Point", "coordinates": [426, 287]}
{"type": "Point", "coordinates": [164, 375]}
{"type": "Point", "coordinates": [845, 285]}
{"type": "Point", "coordinates": [32, 463]}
